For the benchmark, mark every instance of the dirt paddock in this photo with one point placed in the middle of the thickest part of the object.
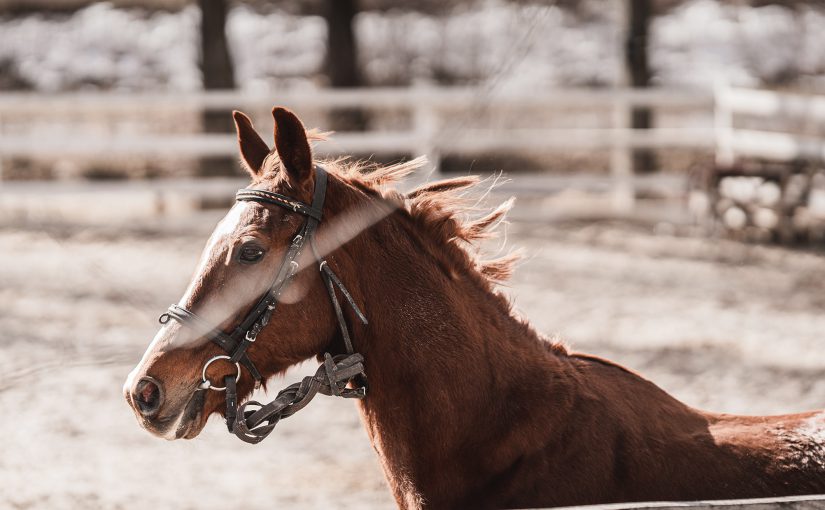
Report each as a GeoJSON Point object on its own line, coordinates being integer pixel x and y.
{"type": "Point", "coordinates": [723, 326]}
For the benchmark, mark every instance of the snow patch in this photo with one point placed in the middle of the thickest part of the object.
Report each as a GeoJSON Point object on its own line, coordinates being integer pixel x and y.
{"type": "Point", "coordinates": [807, 443]}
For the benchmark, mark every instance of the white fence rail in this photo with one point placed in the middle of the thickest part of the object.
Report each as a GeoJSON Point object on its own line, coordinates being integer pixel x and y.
{"type": "Point", "coordinates": [471, 141]}
{"type": "Point", "coordinates": [427, 105]}
{"type": "Point", "coordinates": [733, 143]}
{"type": "Point", "coordinates": [455, 98]}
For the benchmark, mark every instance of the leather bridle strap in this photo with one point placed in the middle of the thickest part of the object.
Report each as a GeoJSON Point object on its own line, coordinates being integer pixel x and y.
{"type": "Point", "coordinates": [331, 378]}
{"type": "Point", "coordinates": [331, 281]}
{"type": "Point", "coordinates": [268, 197]}
{"type": "Point", "coordinates": [226, 342]}
{"type": "Point", "coordinates": [336, 372]}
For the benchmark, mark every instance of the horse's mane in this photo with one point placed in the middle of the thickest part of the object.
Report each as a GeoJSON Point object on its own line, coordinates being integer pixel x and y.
{"type": "Point", "coordinates": [447, 210]}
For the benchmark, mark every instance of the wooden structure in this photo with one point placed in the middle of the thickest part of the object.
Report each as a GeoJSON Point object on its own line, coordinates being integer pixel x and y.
{"type": "Point", "coordinates": [769, 182]}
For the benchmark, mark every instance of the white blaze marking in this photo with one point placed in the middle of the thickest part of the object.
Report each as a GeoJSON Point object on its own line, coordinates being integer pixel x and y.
{"type": "Point", "coordinates": [129, 384]}
{"type": "Point", "coordinates": [229, 224]}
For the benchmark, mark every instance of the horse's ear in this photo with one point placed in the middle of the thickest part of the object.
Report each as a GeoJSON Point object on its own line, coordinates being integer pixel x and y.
{"type": "Point", "coordinates": [292, 145]}
{"type": "Point", "coordinates": [253, 149]}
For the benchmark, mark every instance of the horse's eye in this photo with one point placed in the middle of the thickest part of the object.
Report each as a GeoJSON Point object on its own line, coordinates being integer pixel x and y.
{"type": "Point", "coordinates": [251, 254]}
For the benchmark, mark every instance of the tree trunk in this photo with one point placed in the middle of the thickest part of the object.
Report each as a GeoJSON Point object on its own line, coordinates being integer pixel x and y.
{"type": "Point", "coordinates": [636, 60]}
{"type": "Point", "coordinates": [341, 63]}
{"type": "Point", "coordinates": [216, 68]}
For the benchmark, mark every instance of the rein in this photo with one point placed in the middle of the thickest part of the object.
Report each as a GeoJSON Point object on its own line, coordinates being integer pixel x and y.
{"type": "Point", "coordinates": [336, 372]}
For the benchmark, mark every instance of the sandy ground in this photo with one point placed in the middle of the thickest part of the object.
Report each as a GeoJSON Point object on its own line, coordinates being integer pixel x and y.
{"type": "Point", "coordinates": [723, 326]}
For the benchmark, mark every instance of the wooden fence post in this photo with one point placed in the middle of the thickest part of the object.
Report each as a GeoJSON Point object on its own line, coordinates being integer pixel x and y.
{"type": "Point", "coordinates": [621, 158]}
{"type": "Point", "coordinates": [723, 125]}
{"type": "Point", "coordinates": [426, 125]}
{"type": "Point", "coordinates": [2, 159]}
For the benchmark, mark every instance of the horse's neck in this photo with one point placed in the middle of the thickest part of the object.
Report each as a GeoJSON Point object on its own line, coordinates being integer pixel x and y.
{"type": "Point", "coordinates": [443, 354]}
{"type": "Point", "coordinates": [428, 322]}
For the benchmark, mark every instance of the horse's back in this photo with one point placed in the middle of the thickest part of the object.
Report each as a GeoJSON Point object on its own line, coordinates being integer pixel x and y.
{"type": "Point", "coordinates": [708, 455]}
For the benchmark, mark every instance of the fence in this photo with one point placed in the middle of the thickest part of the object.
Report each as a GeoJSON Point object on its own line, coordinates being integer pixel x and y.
{"type": "Point", "coordinates": [734, 143]}
{"type": "Point", "coordinates": [813, 502]}
{"type": "Point", "coordinates": [428, 107]}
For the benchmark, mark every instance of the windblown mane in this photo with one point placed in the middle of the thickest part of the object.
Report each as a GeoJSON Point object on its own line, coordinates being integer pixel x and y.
{"type": "Point", "coordinates": [447, 210]}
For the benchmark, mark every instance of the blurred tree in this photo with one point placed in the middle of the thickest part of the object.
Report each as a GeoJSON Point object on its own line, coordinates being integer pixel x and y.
{"type": "Point", "coordinates": [10, 77]}
{"type": "Point", "coordinates": [218, 74]}
{"type": "Point", "coordinates": [317, 7]}
{"type": "Point", "coordinates": [216, 63]}
{"type": "Point", "coordinates": [638, 19]}
{"type": "Point", "coordinates": [341, 62]}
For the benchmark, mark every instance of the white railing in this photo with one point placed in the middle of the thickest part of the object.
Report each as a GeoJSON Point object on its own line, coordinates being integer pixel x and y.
{"type": "Point", "coordinates": [430, 109]}
{"type": "Point", "coordinates": [427, 105]}
{"type": "Point", "coordinates": [734, 143]}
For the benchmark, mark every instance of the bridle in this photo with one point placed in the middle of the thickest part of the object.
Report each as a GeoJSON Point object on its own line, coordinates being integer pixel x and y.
{"type": "Point", "coordinates": [332, 377]}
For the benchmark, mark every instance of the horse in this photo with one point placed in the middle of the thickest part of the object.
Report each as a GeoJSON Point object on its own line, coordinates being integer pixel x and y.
{"type": "Point", "coordinates": [466, 405]}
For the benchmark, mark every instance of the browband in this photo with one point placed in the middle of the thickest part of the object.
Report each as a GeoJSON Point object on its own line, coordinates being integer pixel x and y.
{"type": "Point", "coordinates": [269, 197]}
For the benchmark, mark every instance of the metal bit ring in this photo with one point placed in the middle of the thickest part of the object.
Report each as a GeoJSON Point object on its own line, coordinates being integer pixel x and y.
{"type": "Point", "coordinates": [205, 384]}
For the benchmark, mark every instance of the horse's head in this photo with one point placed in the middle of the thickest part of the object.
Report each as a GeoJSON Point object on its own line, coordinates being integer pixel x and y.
{"type": "Point", "coordinates": [243, 255]}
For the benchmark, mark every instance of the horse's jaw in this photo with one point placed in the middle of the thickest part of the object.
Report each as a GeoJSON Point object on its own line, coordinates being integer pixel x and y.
{"type": "Point", "coordinates": [191, 420]}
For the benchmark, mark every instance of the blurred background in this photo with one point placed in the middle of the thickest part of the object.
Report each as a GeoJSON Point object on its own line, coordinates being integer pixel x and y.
{"type": "Point", "coordinates": [666, 156]}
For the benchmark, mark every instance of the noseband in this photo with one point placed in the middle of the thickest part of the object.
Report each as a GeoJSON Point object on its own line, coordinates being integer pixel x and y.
{"type": "Point", "coordinates": [332, 377]}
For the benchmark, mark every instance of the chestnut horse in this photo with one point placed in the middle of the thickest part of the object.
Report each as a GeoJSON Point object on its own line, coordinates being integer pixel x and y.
{"type": "Point", "coordinates": [468, 407]}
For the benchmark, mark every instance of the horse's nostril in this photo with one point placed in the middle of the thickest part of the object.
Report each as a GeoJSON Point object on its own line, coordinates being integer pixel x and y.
{"type": "Point", "coordinates": [147, 397]}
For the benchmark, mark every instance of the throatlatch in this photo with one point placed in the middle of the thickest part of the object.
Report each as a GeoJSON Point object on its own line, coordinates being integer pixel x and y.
{"type": "Point", "coordinates": [336, 372]}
